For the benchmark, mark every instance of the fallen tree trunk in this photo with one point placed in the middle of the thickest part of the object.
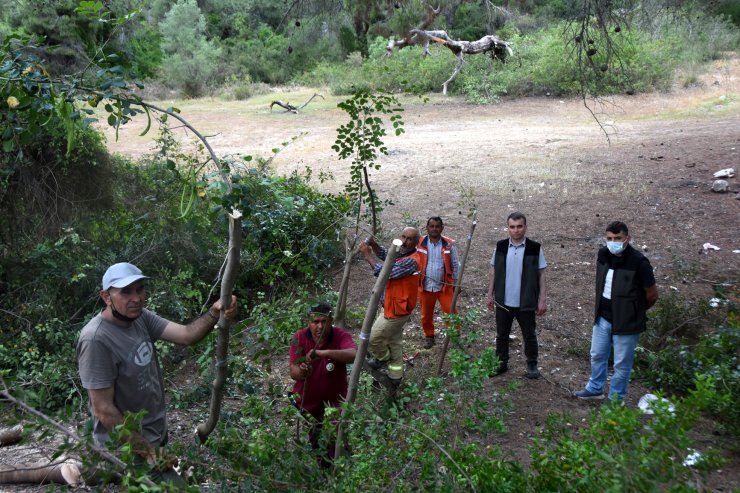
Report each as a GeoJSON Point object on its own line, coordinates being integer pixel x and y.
{"type": "Point", "coordinates": [493, 45]}
{"type": "Point", "coordinates": [67, 472]}
{"type": "Point", "coordinates": [9, 436]}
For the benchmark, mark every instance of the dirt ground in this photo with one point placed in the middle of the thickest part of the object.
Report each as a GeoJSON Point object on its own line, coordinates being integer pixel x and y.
{"type": "Point", "coordinates": [548, 158]}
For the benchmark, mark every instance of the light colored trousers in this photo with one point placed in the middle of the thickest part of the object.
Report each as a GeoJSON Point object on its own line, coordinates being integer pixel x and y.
{"type": "Point", "coordinates": [386, 343]}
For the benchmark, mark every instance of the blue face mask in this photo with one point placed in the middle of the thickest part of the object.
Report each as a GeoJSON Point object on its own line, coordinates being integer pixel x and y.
{"type": "Point", "coordinates": [616, 247]}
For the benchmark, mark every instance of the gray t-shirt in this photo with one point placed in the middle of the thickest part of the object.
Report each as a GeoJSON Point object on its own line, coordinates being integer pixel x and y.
{"type": "Point", "coordinates": [124, 358]}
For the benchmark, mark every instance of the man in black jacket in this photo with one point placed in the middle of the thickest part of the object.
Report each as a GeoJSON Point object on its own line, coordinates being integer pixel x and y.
{"type": "Point", "coordinates": [625, 289]}
{"type": "Point", "coordinates": [516, 287]}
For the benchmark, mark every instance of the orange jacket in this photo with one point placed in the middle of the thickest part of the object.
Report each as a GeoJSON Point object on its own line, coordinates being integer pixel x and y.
{"type": "Point", "coordinates": [401, 294]}
{"type": "Point", "coordinates": [449, 279]}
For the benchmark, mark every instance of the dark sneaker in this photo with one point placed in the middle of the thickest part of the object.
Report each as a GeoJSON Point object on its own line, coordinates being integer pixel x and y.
{"type": "Point", "coordinates": [503, 368]}
{"type": "Point", "coordinates": [532, 371]}
{"type": "Point", "coordinates": [428, 342]}
{"type": "Point", "coordinates": [588, 396]}
{"type": "Point", "coordinates": [394, 381]}
{"type": "Point", "coordinates": [376, 364]}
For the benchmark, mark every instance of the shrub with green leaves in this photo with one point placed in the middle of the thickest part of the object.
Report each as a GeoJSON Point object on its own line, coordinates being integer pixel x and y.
{"type": "Point", "coordinates": [683, 342]}
{"type": "Point", "coordinates": [622, 449]}
{"type": "Point", "coordinates": [191, 61]}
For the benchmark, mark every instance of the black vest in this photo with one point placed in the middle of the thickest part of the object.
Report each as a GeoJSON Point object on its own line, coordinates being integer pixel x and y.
{"type": "Point", "coordinates": [629, 305]}
{"type": "Point", "coordinates": [530, 290]}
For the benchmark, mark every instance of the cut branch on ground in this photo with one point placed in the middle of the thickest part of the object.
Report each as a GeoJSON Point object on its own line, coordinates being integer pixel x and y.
{"type": "Point", "coordinates": [289, 108]}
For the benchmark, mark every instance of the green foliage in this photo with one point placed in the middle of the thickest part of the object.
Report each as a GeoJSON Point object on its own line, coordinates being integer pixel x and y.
{"type": "Point", "coordinates": [146, 51]}
{"type": "Point", "coordinates": [41, 183]}
{"type": "Point", "coordinates": [731, 9]}
{"type": "Point", "coordinates": [619, 450]}
{"type": "Point", "coordinates": [684, 343]}
{"type": "Point", "coordinates": [406, 70]}
{"type": "Point", "coordinates": [471, 21]}
{"type": "Point", "coordinates": [545, 63]}
{"type": "Point", "coordinates": [31, 98]}
{"type": "Point", "coordinates": [362, 140]}
{"type": "Point", "coordinates": [191, 60]}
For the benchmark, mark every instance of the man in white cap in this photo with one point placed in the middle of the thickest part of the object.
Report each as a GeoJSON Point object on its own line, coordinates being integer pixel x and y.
{"type": "Point", "coordinates": [119, 367]}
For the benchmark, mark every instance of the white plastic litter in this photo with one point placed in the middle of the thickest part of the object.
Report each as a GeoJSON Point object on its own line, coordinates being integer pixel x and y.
{"type": "Point", "coordinates": [709, 246]}
{"type": "Point", "coordinates": [715, 302]}
{"type": "Point", "coordinates": [646, 403]}
{"type": "Point", "coordinates": [725, 173]}
{"type": "Point", "coordinates": [692, 459]}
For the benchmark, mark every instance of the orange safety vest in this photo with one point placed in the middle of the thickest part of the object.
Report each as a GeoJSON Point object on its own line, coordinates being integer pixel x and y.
{"type": "Point", "coordinates": [449, 278]}
{"type": "Point", "coordinates": [401, 294]}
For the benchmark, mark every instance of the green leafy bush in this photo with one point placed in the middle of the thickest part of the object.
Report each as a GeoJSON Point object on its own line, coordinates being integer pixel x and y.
{"type": "Point", "coordinates": [621, 450]}
{"type": "Point", "coordinates": [405, 70]}
{"type": "Point", "coordinates": [684, 342]}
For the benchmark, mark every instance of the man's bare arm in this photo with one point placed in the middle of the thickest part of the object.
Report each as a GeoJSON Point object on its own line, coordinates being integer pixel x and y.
{"type": "Point", "coordinates": [104, 408]}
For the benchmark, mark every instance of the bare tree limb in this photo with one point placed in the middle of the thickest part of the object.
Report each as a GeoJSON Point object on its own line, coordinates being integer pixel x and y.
{"type": "Point", "coordinates": [491, 44]}
{"type": "Point", "coordinates": [289, 108]}
{"type": "Point", "coordinates": [9, 436]}
{"type": "Point", "coordinates": [66, 472]}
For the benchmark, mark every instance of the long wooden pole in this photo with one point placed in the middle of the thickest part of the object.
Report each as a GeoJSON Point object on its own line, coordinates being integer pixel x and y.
{"type": "Point", "coordinates": [457, 288]}
{"type": "Point", "coordinates": [367, 324]}
{"type": "Point", "coordinates": [224, 326]}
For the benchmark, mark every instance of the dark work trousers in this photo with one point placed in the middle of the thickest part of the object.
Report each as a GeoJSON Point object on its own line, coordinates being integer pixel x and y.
{"type": "Point", "coordinates": [504, 320]}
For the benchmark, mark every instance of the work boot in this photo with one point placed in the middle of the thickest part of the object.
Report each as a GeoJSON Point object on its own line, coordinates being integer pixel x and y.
{"type": "Point", "coordinates": [532, 371]}
{"type": "Point", "coordinates": [395, 381]}
{"type": "Point", "coordinates": [376, 364]}
{"type": "Point", "coordinates": [428, 342]}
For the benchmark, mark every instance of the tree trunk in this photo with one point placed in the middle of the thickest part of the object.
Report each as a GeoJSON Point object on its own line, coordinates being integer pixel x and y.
{"type": "Point", "coordinates": [40, 473]}
{"type": "Point", "coordinates": [493, 45]}
{"type": "Point", "coordinates": [340, 314]}
{"type": "Point", "coordinates": [457, 289]}
{"type": "Point", "coordinates": [222, 346]}
{"type": "Point", "coordinates": [367, 324]}
{"type": "Point", "coordinates": [9, 436]}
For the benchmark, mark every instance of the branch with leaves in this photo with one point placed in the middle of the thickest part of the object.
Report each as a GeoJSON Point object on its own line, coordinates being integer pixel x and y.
{"type": "Point", "coordinates": [362, 140]}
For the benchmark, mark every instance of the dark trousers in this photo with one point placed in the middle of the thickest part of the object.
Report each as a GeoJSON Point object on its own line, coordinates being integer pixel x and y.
{"type": "Point", "coordinates": [504, 320]}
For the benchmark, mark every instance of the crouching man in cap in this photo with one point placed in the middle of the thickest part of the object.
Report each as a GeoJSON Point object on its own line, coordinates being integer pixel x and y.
{"type": "Point", "coordinates": [319, 354]}
{"type": "Point", "coordinates": [119, 367]}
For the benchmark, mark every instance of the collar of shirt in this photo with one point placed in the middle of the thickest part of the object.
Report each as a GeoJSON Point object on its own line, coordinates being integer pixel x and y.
{"type": "Point", "coordinates": [515, 245]}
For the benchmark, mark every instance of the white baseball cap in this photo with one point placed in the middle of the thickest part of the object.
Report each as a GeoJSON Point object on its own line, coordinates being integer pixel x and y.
{"type": "Point", "coordinates": [121, 275]}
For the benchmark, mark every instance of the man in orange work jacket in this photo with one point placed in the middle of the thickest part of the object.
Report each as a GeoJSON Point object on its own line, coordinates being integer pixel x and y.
{"type": "Point", "coordinates": [398, 299]}
{"type": "Point", "coordinates": [440, 267]}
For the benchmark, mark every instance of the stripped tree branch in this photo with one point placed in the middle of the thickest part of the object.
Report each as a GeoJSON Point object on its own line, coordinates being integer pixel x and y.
{"type": "Point", "coordinates": [289, 108]}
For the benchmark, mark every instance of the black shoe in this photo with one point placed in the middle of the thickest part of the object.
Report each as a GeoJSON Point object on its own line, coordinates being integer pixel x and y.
{"type": "Point", "coordinates": [394, 381]}
{"type": "Point", "coordinates": [502, 368]}
{"type": "Point", "coordinates": [532, 371]}
{"type": "Point", "coordinates": [428, 342]}
{"type": "Point", "coordinates": [376, 364]}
